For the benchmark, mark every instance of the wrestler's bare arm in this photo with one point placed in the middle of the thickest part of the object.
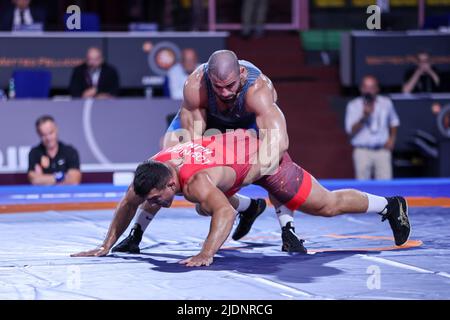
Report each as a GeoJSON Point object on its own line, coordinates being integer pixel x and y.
{"type": "Point", "coordinates": [203, 190]}
{"type": "Point", "coordinates": [192, 111]}
{"type": "Point", "coordinates": [271, 122]}
{"type": "Point", "coordinates": [125, 211]}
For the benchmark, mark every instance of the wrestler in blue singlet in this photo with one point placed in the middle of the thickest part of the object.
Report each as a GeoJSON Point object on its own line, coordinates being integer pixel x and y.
{"type": "Point", "coordinates": [237, 117]}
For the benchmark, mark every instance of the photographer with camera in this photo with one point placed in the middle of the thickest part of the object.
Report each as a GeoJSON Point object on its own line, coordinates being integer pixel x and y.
{"type": "Point", "coordinates": [371, 122]}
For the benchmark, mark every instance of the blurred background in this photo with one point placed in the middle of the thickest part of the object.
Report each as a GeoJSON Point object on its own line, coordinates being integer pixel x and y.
{"type": "Point", "coordinates": [113, 85]}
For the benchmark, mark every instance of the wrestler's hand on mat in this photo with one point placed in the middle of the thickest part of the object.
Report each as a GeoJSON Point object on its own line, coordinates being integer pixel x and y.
{"type": "Point", "coordinates": [98, 252]}
{"type": "Point", "coordinates": [199, 260]}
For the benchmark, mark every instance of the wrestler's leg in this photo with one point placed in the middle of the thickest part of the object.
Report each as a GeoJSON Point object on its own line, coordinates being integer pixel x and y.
{"type": "Point", "coordinates": [285, 215]}
{"type": "Point", "coordinates": [295, 188]}
{"type": "Point", "coordinates": [325, 203]}
{"type": "Point", "coordinates": [280, 187]}
{"type": "Point", "coordinates": [240, 202]}
{"type": "Point", "coordinates": [291, 242]}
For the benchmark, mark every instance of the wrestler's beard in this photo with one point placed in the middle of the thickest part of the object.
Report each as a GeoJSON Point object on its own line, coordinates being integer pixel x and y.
{"type": "Point", "coordinates": [233, 98]}
{"type": "Point", "coordinates": [166, 203]}
{"type": "Point", "coordinates": [229, 100]}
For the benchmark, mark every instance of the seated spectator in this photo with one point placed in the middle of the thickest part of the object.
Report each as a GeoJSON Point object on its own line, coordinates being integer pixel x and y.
{"type": "Point", "coordinates": [177, 75]}
{"type": "Point", "coordinates": [422, 78]}
{"type": "Point", "coordinates": [52, 162]}
{"type": "Point", "coordinates": [371, 122]}
{"type": "Point", "coordinates": [22, 14]}
{"type": "Point", "coordinates": [94, 78]}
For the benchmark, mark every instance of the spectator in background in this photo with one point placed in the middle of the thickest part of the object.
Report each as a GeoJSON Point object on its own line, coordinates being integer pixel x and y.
{"type": "Point", "coordinates": [371, 122]}
{"type": "Point", "coordinates": [254, 13]}
{"type": "Point", "coordinates": [52, 162]}
{"type": "Point", "coordinates": [94, 78]}
{"type": "Point", "coordinates": [422, 78]}
{"type": "Point", "coordinates": [179, 72]}
{"type": "Point", "coordinates": [22, 14]}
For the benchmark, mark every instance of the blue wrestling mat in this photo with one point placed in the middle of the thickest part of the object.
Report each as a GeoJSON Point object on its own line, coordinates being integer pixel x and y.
{"type": "Point", "coordinates": [351, 256]}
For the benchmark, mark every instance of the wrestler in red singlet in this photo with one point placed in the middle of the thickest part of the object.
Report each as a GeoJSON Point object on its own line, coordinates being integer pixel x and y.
{"type": "Point", "coordinates": [290, 184]}
{"type": "Point", "coordinates": [213, 151]}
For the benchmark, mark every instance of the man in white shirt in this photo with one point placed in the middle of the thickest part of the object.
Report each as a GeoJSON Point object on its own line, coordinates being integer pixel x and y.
{"type": "Point", "coordinates": [21, 15]}
{"type": "Point", "coordinates": [177, 75]}
{"type": "Point", "coordinates": [371, 122]}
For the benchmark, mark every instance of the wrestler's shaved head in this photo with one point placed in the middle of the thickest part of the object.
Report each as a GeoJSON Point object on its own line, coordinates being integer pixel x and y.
{"type": "Point", "coordinates": [222, 64]}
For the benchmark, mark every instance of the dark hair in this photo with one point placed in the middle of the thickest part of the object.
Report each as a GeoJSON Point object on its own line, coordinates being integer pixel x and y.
{"type": "Point", "coordinates": [43, 119]}
{"type": "Point", "coordinates": [150, 174]}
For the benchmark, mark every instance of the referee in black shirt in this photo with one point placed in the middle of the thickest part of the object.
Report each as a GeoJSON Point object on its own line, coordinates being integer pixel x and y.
{"type": "Point", "coordinates": [52, 162]}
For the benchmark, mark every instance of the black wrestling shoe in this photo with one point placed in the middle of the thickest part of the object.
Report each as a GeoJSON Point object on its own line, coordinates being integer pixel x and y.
{"type": "Point", "coordinates": [396, 212]}
{"type": "Point", "coordinates": [247, 217]}
{"type": "Point", "coordinates": [131, 243]}
{"type": "Point", "coordinates": [291, 242]}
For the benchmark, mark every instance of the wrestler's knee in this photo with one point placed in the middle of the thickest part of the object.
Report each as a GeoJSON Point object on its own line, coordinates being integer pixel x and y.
{"type": "Point", "coordinates": [274, 200]}
{"type": "Point", "coordinates": [329, 207]}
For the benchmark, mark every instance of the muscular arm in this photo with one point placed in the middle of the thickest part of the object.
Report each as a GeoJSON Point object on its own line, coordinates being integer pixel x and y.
{"type": "Point", "coordinates": [359, 125]}
{"type": "Point", "coordinates": [73, 177]}
{"type": "Point", "coordinates": [193, 119]}
{"type": "Point", "coordinates": [192, 112]}
{"type": "Point", "coordinates": [434, 76]}
{"type": "Point", "coordinates": [213, 200]}
{"type": "Point", "coordinates": [408, 87]}
{"type": "Point", "coordinates": [272, 127]}
{"type": "Point", "coordinates": [41, 179]}
{"type": "Point", "coordinates": [125, 211]}
{"type": "Point", "coordinates": [123, 215]}
{"type": "Point", "coordinates": [390, 144]}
